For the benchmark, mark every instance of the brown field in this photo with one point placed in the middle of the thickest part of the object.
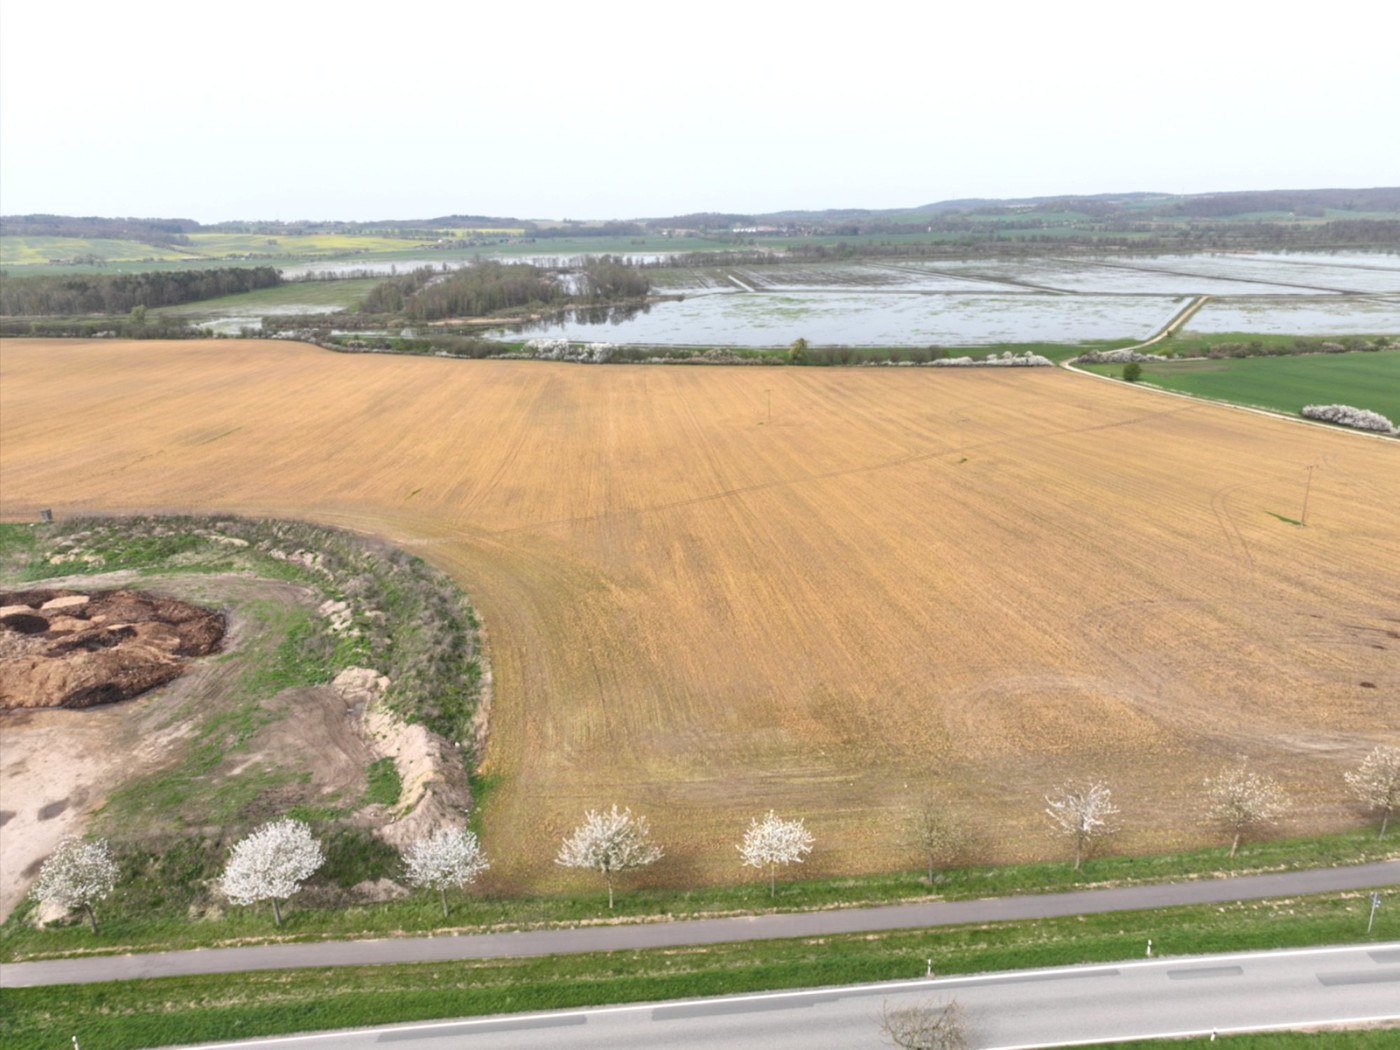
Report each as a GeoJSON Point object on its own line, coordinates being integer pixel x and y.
{"type": "Point", "coordinates": [984, 581]}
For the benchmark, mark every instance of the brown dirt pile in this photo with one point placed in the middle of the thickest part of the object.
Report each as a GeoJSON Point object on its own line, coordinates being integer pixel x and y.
{"type": "Point", "coordinates": [60, 648]}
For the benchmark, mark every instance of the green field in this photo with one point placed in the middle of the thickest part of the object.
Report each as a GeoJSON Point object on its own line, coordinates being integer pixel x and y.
{"type": "Point", "coordinates": [1369, 380]}
{"type": "Point", "coordinates": [315, 296]}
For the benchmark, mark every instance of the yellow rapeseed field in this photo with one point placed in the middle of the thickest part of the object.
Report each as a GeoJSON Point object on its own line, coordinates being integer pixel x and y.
{"type": "Point", "coordinates": [983, 581]}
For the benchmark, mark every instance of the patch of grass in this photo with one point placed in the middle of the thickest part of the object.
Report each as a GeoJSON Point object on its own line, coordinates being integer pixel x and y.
{"type": "Point", "coordinates": [157, 1012]}
{"type": "Point", "coordinates": [385, 784]}
{"type": "Point", "coordinates": [1369, 380]}
{"type": "Point", "coordinates": [341, 294]}
{"type": "Point", "coordinates": [355, 855]}
{"type": "Point", "coordinates": [1290, 521]}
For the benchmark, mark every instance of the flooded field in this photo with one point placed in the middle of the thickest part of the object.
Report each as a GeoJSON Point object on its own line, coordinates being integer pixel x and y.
{"type": "Point", "coordinates": [988, 301]}
{"type": "Point", "coordinates": [1300, 315]}
{"type": "Point", "coordinates": [971, 302]}
{"type": "Point", "coordinates": [867, 318]}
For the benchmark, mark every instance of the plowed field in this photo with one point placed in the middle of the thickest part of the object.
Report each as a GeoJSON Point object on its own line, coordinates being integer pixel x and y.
{"type": "Point", "coordinates": [980, 580]}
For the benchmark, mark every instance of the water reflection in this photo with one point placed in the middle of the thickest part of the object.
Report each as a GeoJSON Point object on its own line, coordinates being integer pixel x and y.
{"type": "Point", "coordinates": [587, 315]}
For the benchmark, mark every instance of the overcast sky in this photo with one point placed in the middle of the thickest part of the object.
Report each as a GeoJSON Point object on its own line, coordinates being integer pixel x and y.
{"type": "Point", "coordinates": [538, 109]}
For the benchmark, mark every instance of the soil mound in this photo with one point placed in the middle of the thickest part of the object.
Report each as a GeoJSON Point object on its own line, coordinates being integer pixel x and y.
{"type": "Point", "coordinates": [61, 648]}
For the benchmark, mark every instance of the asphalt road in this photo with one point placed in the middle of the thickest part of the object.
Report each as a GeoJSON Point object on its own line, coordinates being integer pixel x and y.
{"type": "Point", "coordinates": [700, 931]}
{"type": "Point", "coordinates": [1192, 995]}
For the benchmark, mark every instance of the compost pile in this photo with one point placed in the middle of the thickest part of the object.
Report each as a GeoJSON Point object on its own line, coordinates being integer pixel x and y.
{"type": "Point", "coordinates": [61, 648]}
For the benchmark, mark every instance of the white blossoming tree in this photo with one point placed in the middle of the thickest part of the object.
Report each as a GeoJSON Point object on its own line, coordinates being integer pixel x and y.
{"type": "Point", "coordinates": [271, 864]}
{"type": "Point", "coordinates": [1376, 783]}
{"type": "Point", "coordinates": [1242, 800]}
{"type": "Point", "coordinates": [448, 858]}
{"type": "Point", "coordinates": [1082, 812]}
{"type": "Point", "coordinates": [609, 843]}
{"type": "Point", "coordinates": [773, 841]}
{"type": "Point", "coordinates": [77, 875]}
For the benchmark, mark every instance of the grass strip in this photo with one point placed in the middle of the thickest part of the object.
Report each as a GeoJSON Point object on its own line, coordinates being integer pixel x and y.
{"type": "Point", "coordinates": [188, 1009]}
{"type": "Point", "coordinates": [143, 929]}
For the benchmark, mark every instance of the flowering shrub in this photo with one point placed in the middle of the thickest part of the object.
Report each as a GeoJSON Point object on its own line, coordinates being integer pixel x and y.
{"type": "Point", "coordinates": [563, 350]}
{"type": "Point", "coordinates": [1006, 360]}
{"type": "Point", "coordinates": [1117, 357]}
{"type": "Point", "coordinates": [1346, 416]}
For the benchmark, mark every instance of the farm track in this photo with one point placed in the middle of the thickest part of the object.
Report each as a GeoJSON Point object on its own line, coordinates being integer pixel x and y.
{"type": "Point", "coordinates": [979, 581]}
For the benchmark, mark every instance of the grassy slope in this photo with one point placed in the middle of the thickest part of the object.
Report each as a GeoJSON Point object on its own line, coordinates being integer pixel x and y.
{"type": "Point", "coordinates": [150, 1013]}
{"type": "Point", "coordinates": [1364, 380]}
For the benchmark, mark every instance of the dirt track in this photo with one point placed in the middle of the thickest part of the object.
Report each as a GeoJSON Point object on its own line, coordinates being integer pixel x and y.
{"type": "Point", "coordinates": [981, 581]}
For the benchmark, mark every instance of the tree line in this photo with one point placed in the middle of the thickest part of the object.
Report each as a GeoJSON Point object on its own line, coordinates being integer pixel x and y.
{"type": "Point", "coordinates": [488, 287]}
{"type": "Point", "coordinates": [68, 294]}
{"type": "Point", "coordinates": [273, 861]}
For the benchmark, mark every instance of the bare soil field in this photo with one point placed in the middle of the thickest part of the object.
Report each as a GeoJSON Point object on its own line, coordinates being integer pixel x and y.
{"type": "Point", "coordinates": [980, 581]}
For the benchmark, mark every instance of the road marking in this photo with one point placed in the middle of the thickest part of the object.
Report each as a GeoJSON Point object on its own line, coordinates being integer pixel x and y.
{"type": "Point", "coordinates": [1205, 971]}
{"type": "Point", "coordinates": [465, 1028]}
{"type": "Point", "coordinates": [922, 983]}
{"type": "Point", "coordinates": [1361, 977]}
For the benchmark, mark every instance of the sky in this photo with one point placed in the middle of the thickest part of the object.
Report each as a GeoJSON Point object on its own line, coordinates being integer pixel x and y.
{"type": "Point", "coordinates": [301, 109]}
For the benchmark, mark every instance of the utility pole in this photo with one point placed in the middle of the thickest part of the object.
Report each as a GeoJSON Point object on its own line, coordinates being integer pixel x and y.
{"type": "Point", "coordinates": [770, 404]}
{"type": "Point", "coordinates": [1306, 493]}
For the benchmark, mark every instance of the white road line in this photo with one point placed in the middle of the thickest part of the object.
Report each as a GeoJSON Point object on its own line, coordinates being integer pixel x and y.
{"type": "Point", "coordinates": [922, 983]}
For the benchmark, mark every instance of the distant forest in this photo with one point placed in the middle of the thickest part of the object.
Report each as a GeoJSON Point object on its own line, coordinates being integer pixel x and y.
{"type": "Point", "coordinates": [121, 293]}
{"type": "Point", "coordinates": [1122, 212]}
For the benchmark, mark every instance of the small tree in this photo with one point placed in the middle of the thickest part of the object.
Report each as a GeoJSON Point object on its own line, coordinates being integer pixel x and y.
{"type": "Point", "coordinates": [1081, 812]}
{"type": "Point", "coordinates": [610, 842]}
{"type": "Point", "coordinates": [927, 1027]}
{"type": "Point", "coordinates": [1376, 783]}
{"type": "Point", "coordinates": [936, 834]}
{"type": "Point", "coordinates": [1242, 800]}
{"type": "Point", "coordinates": [449, 857]}
{"type": "Point", "coordinates": [271, 864]}
{"type": "Point", "coordinates": [773, 841]}
{"type": "Point", "coordinates": [797, 352]}
{"type": "Point", "coordinates": [77, 875]}
{"type": "Point", "coordinates": [1132, 371]}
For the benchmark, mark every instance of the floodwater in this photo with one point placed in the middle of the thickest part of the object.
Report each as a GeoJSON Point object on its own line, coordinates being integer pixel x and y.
{"type": "Point", "coordinates": [856, 318]}
{"type": "Point", "coordinates": [985, 301]}
{"type": "Point", "coordinates": [971, 302]}
{"type": "Point", "coordinates": [1302, 315]}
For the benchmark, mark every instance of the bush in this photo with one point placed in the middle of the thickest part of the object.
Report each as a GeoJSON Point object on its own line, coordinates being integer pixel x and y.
{"type": "Point", "coordinates": [1347, 416]}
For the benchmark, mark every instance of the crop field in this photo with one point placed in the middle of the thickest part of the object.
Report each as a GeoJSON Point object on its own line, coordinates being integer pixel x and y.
{"type": "Point", "coordinates": [36, 251]}
{"type": "Point", "coordinates": [1286, 384]}
{"type": "Point", "coordinates": [708, 592]}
